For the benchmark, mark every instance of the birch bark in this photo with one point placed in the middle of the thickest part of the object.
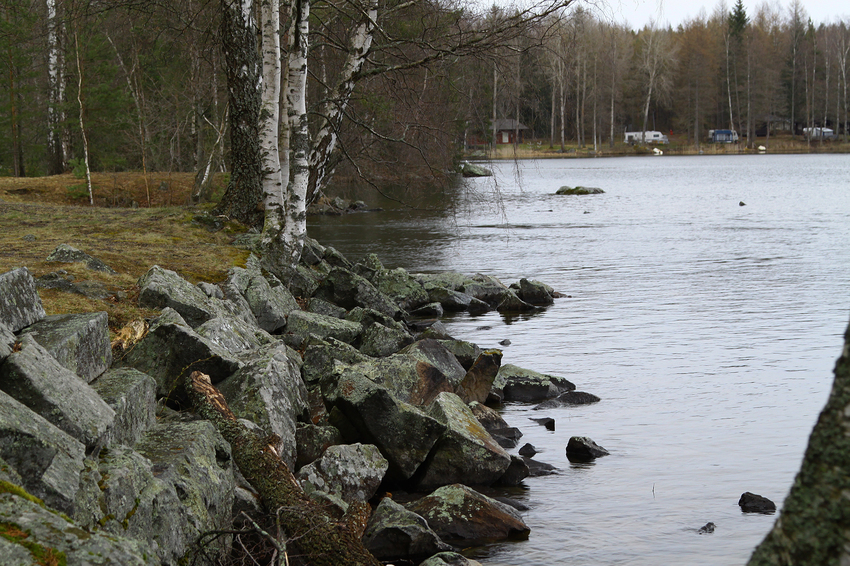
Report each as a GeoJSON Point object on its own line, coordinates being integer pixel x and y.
{"type": "Point", "coordinates": [56, 87]}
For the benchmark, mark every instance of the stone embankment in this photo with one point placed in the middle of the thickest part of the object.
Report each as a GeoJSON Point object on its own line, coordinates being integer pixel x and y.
{"type": "Point", "coordinates": [344, 368]}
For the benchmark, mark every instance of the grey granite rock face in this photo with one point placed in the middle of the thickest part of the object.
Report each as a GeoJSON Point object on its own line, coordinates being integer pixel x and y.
{"type": "Point", "coordinates": [47, 460]}
{"type": "Point", "coordinates": [132, 395]}
{"type": "Point", "coordinates": [302, 323]}
{"type": "Point", "coordinates": [269, 300]}
{"type": "Point", "coordinates": [234, 335]}
{"type": "Point", "coordinates": [319, 359]}
{"type": "Point", "coordinates": [53, 535]}
{"type": "Point", "coordinates": [394, 532]}
{"type": "Point", "coordinates": [7, 341]}
{"type": "Point", "coordinates": [352, 472]}
{"type": "Point", "coordinates": [349, 290]}
{"type": "Point", "coordinates": [80, 342]}
{"type": "Point", "coordinates": [195, 459]}
{"type": "Point", "coordinates": [34, 378]}
{"type": "Point", "coordinates": [269, 392]}
{"type": "Point", "coordinates": [20, 304]}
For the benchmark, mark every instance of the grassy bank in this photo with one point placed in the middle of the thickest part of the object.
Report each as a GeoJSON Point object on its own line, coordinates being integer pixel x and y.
{"type": "Point", "coordinates": [37, 214]}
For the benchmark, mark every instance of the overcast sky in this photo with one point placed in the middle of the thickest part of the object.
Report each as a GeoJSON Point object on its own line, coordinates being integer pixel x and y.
{"type": "Point", "coordinates": [637, 13]}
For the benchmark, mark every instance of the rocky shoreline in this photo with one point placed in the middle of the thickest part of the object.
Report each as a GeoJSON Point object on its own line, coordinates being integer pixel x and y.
{"type": "Point", "coordinates": [342, 368]}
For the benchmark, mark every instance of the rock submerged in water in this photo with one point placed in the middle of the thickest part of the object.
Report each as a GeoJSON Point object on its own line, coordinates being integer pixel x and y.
{"type": "Point", "coordinates": [752, 503]}
{"type": "Point", "coordinates": [579, 191]}
{"type": "Point", "coordinates": [583, 449]}
{"type": "Point", "coordinates": [468, 169]}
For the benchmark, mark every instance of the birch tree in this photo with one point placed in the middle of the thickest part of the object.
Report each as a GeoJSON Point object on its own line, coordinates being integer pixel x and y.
{"type": "Point", "coordinates": [56, 146]}
{"type": "Point", "coordinates": [657, 56]}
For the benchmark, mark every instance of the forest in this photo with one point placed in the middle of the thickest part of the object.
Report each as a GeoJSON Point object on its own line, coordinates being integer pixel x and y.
{"type": "Point", "coordinates": [142, 85]}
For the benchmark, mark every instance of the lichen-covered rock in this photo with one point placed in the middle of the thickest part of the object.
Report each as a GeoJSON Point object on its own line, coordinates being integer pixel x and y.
{"type": "Point", "coordinates": [516, 472]}
{"type": "Point", "coordinates": [449, 299]}
{"type": "Point", "coordinates": [269, 392]}
{"type": "Point", "coordinates": [511, 303]}
{"type": "Point", "coordinates": [349, 290]}
{"type": "Point", "coordinates": [450, 559]}
{"type": "Point", "coordinates": [380, 341]}
{"type": "Point", "coordinates": [514, 383]}
{"type": "Point", "coordinates": [438, 355]}
{"type": "Point", "coordinates": [489, 418]}
{"type": "Point", "coordinates": [352, 472]}
{"type": "Point", "coordinates": [132, 395]}
{"type": "Point", "coordinates": [401, 287]}
{"type": "Point", "coordinates": [301, 280]}
{"type": "Point", "coordinates": [69, 254]}
{"type": "Point", "coordinates": [196, 460]}
{"type": "Point", "coordinates": [465, 452]}
{"type": "Point", "coordinates": [7, 341]}
{"type": "Point", "coordinates": [565, 190]}
{"type": "Point", "coordinates": [403, 433]}
{"type": "Point", "coordinates": [478, 381]}
{"type": "Point", "coordinates": [160, 288]}
{"type": "Point", "coordinates": [130, 500]}
{"type": "Point", "coordinates": [47, 460]}
{"type": "Point", "coordinates": [171, 348]}
{"type": "Point", "coordinates": [474, 170]}
{"type": "Point", "coordinates": [320, 306]}
{"type": "Point", "coordinates": [302, 324]}
{"type": "Point", "coordinates": [20, 304]}
{"type": "Point", "coordinates": [459, 513]}
{"type": "Point", "coordinates": [407, 378]}
{"type": "Point", "coordinates": [234, 335]}
{"type": "Point", "coordinates": [582, 448]}
{"type": "Point", "coordinates": [535, 292]}
{"type": "Point", "coordinates": [319, 359]}
{"type": "Point", "coordinates": [312, 440]}
{"type": "Point", "coordinates": [569, 398]}
{"type": "Point", "coordinates": [34, 378]}
{"type": "Point", "coordinates": [465, 352]}
{"type": "Point", "coordinates": [45, 535]}
{"type": "Point", "coordinates": [393, 532]}
{"type": "Point", "coordinates": [270, 301]}
{"type": "Point", "coordinates": [80, 342]}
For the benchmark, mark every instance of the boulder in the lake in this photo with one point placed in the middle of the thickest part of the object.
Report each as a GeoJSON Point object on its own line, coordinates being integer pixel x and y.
{"type": "Point", "coordinates": [752, 503]}
{"type": "Point", "coordinates": [516, 472]}
{"type": "Point", "coordinates": [489, 418]}
{"type": "Point", "coordinates": [450, 559]}
{"type": "Point", "coordinates": [394, 532]}
{"type": "Point", "coordinates": [468, 169]}
{"type": "Point", "coordinates": [535, 292]}
{"type": "Point", "coordinates": [583, 449]}
{"type": "Point", "coordinates": [537, 468]}
{"type": "Point", "coordinates": [528, 450]}
{"type": "Point", "coordinates": [569, 398]}
{"type": "Point", "coordinates": [565, 190]}
{"type": "Point", "coordinates": [514, 383]}
{"type": "Point", "coordinates": [465, 452]}
{"type": "Point", "coordinates": [459, 513]}
{"type": "Point", "coordinates": [478, 381]}
{"type": "Point", "coordinates": [547, 422]}
{"type": "Point", "coordinates": [706, 529]}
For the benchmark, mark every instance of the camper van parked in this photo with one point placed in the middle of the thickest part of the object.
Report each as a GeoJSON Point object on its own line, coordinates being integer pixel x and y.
{"type": "Point", "coordinates": [722, 136]}
{"type": "Point", "coordinates": [645, 137]}
{"type": "Point", "coordinates": [819, 133]}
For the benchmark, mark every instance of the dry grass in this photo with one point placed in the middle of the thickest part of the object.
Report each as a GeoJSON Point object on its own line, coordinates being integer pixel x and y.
{"type": "Point", "coordinates": [36, 215]}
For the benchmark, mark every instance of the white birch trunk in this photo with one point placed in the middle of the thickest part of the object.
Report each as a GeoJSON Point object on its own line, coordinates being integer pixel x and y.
{"type": "Point", "coordinates": [274, 190]}
{"type": "Point", "coordinates": [56, 86]}
{"type": "Point", "coordinates": [320, 156]}
{"type": "Point", "coordinates": [82, 123]}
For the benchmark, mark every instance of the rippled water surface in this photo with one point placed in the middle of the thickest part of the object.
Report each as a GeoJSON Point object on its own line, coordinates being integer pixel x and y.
{"type": "Point", "coordinates": [708, 329]}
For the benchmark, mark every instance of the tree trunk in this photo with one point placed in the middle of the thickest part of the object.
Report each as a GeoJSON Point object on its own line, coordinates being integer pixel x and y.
{"type": "Point", "coordinates": [57, 159]}
{"type": "Point", "coordinates": [244, 193]}
{"type": "Point", "coordinates": [82, 123]}
{"type": "Point", "coordinates": [310, 530]}
{"type": "Point", "coordinates": [812, 527]}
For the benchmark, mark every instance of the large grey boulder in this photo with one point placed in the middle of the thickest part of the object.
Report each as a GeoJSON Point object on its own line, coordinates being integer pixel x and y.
{"type": "Point", "coordinates": [397, 284]}
{"type": "Point", "coordinates": [403, 433]}
{"type": "Point", "coordinates": [459, 513]}
{"type": "Point", "coordinates": [465, 352]}
{"type": "Point", "coordinates": [269, 392]}
{"type": "Point", "coordinates": [20, 304]}
{"type": "Point", "coordinates": [465, 453]}
{"type": "Point", "coordinates": [196, 460]}
{"type": "Point", "coordinates": [34, 378]}
{"type": "Point", "coordinates": [407, 378]}
{"type": "Point", "coordinates": [129, 499]}
{"type": "Point", "coordinates": [514, 383]}
{"type": "Point", "coordinates": [436, 353]}
{"type": "Point", "coordinates": [474, 170]}
{"type": "Point", "coordinates": [270, 301]}
{"type": "Point", "coordinates": [160, 288]}
{"type": "Point", "coordinates": [380, 341]}
{"type": "Point", "coordinates": [47, 460]}
{"type": "Point", "coordinates": [80, 342]}
{"type": "Point", "coordinates": [302, 324]}
{"type": "Point", "coordinates": [352, 472]}
{"type": "Point", "coordinates": [535, 292]}
{"type": "Point", "coordinates": [234, 335]}
{"type": "Point", "coordinates": [452, 300]}
{"type": "Point", "coordinates": [349, 290]}
{"type": "Point", "coordinates": [566, 190]}
{"type": "Point", "coordinates": [7, 342]}
{"type": "Point", "coordinates": [394, 532]}
{"type": "Point", "coordinates": [319, 357]}
{"type": "Point", "coordinates": [132, 395]}
{"type": "Point", "coordinates": [63, 253]}
{"type": "Point", "coordinates": [172, 349]}
{"type": "Point", "coordinates": [312, 440]}
{"type": "Point", "coordinates": [50, 536]}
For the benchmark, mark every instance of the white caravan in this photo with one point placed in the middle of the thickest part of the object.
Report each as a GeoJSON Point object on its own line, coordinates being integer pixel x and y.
{"type": "Point", "coordinates": [645, 137]}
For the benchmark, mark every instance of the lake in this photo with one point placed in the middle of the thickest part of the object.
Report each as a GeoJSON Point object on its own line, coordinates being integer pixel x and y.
{"type": "Point", "coordinates": [709, 330]}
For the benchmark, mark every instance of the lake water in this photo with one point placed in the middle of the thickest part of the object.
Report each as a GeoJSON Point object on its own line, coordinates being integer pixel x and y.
{"type": "Point", "coordinates": [709, 330]}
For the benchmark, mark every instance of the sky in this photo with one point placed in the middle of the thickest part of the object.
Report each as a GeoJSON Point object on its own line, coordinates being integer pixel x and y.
{"type": "Point", "coordinates": [637, 13]}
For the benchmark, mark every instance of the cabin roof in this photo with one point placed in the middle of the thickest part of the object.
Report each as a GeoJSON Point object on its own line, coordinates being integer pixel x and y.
{"type": "Point", "coordinates": [508, 124]}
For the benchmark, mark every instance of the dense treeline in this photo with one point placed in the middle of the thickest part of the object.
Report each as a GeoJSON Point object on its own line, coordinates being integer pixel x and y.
{"type": "Point", "coordinates": [140, 85]}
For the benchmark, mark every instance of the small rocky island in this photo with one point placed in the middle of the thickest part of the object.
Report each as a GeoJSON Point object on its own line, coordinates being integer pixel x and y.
{"type": "Point", "coordinates": [381, 424]}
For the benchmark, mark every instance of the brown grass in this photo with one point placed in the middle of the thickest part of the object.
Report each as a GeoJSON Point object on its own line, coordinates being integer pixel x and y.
{"type": "Point", "coordinates": [36, 215]}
